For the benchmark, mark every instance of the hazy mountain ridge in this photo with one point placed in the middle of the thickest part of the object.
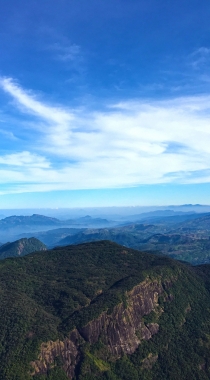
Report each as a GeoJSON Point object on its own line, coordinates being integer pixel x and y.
{"type": "Point", "coordinates": [188, 240]}
{"type": "Point", "coordinates": [37, 219]}
{"type": "Point", "coordinates": [172, 219]}
{"type": "Point", "coordinates": [113, 213]}
{"type": "Point", "coordinates": [51, 237]}
{"type": "Point", "coordinates": [13, 226]}
{"type": "Point", "coordinates": [28, 220]}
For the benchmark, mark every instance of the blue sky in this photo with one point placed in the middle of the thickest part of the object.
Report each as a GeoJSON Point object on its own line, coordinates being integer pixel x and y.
{"type": "Point", "coordinates": [104, 103]}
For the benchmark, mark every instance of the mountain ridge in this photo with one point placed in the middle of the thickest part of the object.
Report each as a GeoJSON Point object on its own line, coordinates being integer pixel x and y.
{"type": "Point", "coordinates": [56, 305]}
{"type": "Point", "coordinates": [21, 247]}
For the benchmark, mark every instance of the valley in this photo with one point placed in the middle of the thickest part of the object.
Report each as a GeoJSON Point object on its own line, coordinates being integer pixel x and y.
{"type": "Point", "coordinates": [181, 235]}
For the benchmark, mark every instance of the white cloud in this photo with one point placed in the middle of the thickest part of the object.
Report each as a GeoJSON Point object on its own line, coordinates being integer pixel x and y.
{"type": "Point", "coordinates": [127, 144]}
{"type": "Point", "coordinates": [51, 114]}
{"type": "Point", "coordinates": [24, 159]}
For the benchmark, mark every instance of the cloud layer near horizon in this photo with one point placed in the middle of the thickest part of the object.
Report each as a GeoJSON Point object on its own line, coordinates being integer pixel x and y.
{"type": "Point", "coordinates": [126, 144]}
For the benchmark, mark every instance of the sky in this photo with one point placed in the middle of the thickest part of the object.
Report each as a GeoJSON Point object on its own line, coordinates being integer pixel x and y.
{"type": "Point", "coordinates": [104, 103]}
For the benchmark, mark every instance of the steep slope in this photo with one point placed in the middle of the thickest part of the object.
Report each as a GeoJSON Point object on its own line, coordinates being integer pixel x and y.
{"type": "Point", "coordinates": [99, 310]}
{"type": "Point", "coordinates": [21, 247]}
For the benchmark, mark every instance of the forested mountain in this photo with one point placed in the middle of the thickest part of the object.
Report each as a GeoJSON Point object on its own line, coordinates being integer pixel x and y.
{"type": "Point", "coordinates": [187, 241]}
{"type": "Point", "coordinates": [128, 235]}
{"type": "Point", "coordinates": [200, 223]}
{"type": "Point", "coordinates": [100, 310]}
{"type": "Point", "coordinates": [21, 247]}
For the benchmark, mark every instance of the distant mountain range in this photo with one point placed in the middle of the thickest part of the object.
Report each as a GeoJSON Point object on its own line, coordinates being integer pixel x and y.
{"type": "Point", "coordinates": [180, 235]}
{"type": "Point", "coordinates": [168, 218]}
{"type": "Point", "coordinates": [12, 226]}
{"type": "Point", "coordinates": [52, 237]}
{"type": "Point", "coordinates": [39, 220]}
{"type": "Point", "coordinates": [188, 240]}
{"type": "Point", "coordinates": [35, 219]}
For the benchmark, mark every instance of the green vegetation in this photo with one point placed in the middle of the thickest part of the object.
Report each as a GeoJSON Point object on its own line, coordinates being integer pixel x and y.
{"type": "Point", "coordinates": [192, 247]}
{"type": "Point", "coordinates": [45, 295]}
{"type": "Point", "coordinates": [21, 247]}
{"type": "Point", "coordinates": [187, 241]}
{"type": "Point", "coordinates": [181, 348]}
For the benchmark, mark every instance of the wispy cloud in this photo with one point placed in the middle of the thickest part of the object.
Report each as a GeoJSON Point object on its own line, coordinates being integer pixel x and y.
{"type": "Point", "coordinates": [70, 52]}
{"type": "Point", "coordinates": [126, 144]}
{"type": "Point", "coordinates": [61, 47]}
{"type": "Point", "coordinates": [9, 135]}
{"type": "Point", "coordinates": [200, 57]}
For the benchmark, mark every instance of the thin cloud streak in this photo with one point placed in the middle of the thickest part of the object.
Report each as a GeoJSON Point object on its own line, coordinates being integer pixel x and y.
{"type": "Point", "coordinates": [52, 114]}
{"type": "Point", "coordinates": [70, 52]}
{"type": "Point", "coordinates": [127, 144]}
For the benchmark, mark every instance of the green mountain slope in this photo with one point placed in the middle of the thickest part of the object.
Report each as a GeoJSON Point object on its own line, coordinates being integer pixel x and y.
{"type": "Point", "coordinates": [187, 241]}
{"type": "Point", "coordinates": [21, 247]}
{"type": "Point", "coordinates": [102, 311]}
{"type": "Point", "coordinates": [130, 235]}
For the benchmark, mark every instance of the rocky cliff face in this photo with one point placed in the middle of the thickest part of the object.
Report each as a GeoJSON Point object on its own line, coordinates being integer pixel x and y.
{"type": "Point", "coordinates": [68, 350]}
{"type": "Point", "coordinates": [121, 331]}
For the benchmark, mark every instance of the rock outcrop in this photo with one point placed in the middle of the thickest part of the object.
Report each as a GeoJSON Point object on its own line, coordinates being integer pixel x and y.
{"type": "Point", "coordinates": [68, 350]}
{"type": "Point", "coordinates": [121, 331]}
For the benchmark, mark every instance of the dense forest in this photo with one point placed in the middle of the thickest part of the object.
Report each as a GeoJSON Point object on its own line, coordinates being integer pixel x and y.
{"type": "Point", "coordinates": [46, 295]}
{"type": "Point", "coordinates": [21, 247]}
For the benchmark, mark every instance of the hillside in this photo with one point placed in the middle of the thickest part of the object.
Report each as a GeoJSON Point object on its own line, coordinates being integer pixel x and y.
{"type": "Point", "coordinates": [193, 247]}
{"type": "Point", "coordinates": [130, 235]}
{"type": "Point", "coordinates": [187, 241]}
{"type": "Point", "coordinates": [21, 247]}
{"type": "Point", "coordinates": [52, 237]}
{"type": "Point", "coordinates": [201, 223]}
{"type": "Point", "coordinates": [99, 310]}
